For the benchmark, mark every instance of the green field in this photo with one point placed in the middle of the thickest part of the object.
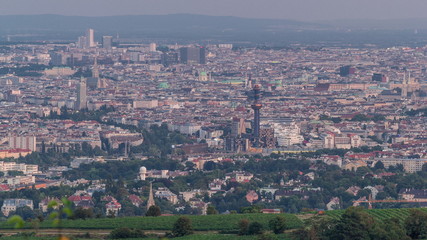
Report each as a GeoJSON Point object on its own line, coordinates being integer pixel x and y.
{"type": "Point", "coordinates": [379, 214]}
{"type": "Point", "coordinates": [200, 223]}
{"type": "Point", "coordinates": [190, 237]}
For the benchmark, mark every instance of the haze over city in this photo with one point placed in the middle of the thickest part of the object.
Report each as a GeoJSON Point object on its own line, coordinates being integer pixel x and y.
{"type": "Point", "coordinates": [306, 10]}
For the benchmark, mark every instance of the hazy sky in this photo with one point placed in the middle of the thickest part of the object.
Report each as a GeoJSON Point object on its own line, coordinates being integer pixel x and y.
{"type": "Point", "coordinates": [306, 10]}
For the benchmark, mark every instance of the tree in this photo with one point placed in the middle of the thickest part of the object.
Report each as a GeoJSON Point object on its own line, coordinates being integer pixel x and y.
{"type": "Point", "coordinates": [277, 224]}
{"type": "Point", "coordinates": [379, 165]}
{"type": "Point", "coordinates": [390, 229]}
{"type": "Point", "coordinates": [355, 224]}
{"type": "Point", "coordinates": [182, 227]}
{"type": "Point", "coordinates": [244, 227]}
{"type": "Point", "coordinates": [255, 228]}
{"type": "Point", "coordinates": [25, 212]}
{"type": "Point", "coordinates": [153, 211]}
{"type": "Point", "coordinates": [416, 224]}
{"type": "Point", "coordinates": [126, 233]}
{"type": "Point", "coordinates": [211, 210]}
{"type": "Point", "coordinates": [81, 213]}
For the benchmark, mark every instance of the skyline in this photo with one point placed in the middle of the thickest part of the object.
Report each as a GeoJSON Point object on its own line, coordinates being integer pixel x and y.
{"type": "Point", "coordinates": [310, 10]}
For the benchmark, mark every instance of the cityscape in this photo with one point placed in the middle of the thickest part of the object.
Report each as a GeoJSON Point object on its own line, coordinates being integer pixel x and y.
{"type": "Point", "coordinates": [104, 136]}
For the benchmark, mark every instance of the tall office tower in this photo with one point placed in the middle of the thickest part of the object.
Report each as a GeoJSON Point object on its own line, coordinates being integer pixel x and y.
{"type": "Point", "coordinates": [82, 42]}
{"type": "Point", "coordinates": [107, 42]}
{"type": "Point", "coordinates": [256, 106]}
{"type": "Point", "coordinates": [81, 94]}
{"type": "Point", "coordinates": [90, 38]}
{"type": "Point", "coordinates": [153, 47]}
{"type": "Point", "coordinates": [193, 55]}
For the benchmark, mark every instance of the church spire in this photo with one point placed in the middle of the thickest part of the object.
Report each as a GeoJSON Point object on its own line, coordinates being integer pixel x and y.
{"type": "Point", "coordinates": [95, 70]}
{"type": "Point", "coordinates": [150, 201]}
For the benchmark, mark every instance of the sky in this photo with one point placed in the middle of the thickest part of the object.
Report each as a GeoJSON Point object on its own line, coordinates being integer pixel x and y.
{"type": "Point", "coordinates": [302, 10]}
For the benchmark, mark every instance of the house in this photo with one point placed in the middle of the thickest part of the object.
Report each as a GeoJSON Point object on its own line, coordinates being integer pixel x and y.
{"type": "Point", "coordinates": [76, 199]}
{"type": "Point", "coordinates": [413, 194]}
{"type": "Point", "coordinates": [44, 204]}
{"type": "Point", "coordinates": [353, 190]}
{"type": "Point", "coordinates": [166, 194]}
{"type": "Point", "coordinates": [216, 184]}
{"type": "Point", "coordinates": [85, 204]}
{"type": "Point", "coordinates": [112, 208]}
{"type": "Point", "coordinates": [354, 165]}
{"type": "Point", "coordinates": [4, 188]}
{"type": "Point", "coordinates": [251, 196]}
{"type": "Point", "coordinates": [271, 211]}
{"type": "Point", "coordinates": [333, 204]}
{"type": "Point", "coordinates": [186, 196]}
{"type": "Point", "coordinates": [10, 205]}
{"type": "Point", "coordinates": [198, 204]}
{"type": "Point", "coordinates": [289, 193]}
{"type": "Point", "coordinates": [374, 191]}
{"type": "Point", "coordinates": [239, 176]}
{"type": "Point", "coordinates": [135, 200]}
{"type": "Point", "coordinates": [108, 199]}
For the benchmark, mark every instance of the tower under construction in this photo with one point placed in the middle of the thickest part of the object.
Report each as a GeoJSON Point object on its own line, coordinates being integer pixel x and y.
{"type": "Point", "coordinates": [256, 106]}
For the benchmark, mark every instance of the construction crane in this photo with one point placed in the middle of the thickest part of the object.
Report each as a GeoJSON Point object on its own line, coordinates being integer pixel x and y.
{"type": "Point", "coordinates": [369, 201]}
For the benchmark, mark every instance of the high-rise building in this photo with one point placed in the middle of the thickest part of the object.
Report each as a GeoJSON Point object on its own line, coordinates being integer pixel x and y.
{"type": "Point", "coordinates": [82, 42]}
{"type": "Point", "coordinates": [90, 38]}
{"type": "Point", "coordinates": [57, 59]}
{"type": "Point", "coordinates": [347, 70]}
{"type": "Point", "coordinates": [153, 47]}
{"type": "Point", "coordinates": [193, 55]}
{"type": "Point", "coordinates": [256, 106]}
{"type": "Point", "coordinates": [81, 94]}
{"type": "Point", "coordinates": [169, 58]}
{"type": "Point", "coordinates": [107, 42]}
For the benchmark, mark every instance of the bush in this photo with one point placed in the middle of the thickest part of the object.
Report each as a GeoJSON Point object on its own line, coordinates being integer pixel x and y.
{"type": "Point", "coordinates": [81, 213]}
{"type": "Point", "coordinates": [182, 227]}
{"type": "Point", "coordinates": [267, 236]}
{"type": "Point", "coordinates": [153, 211]}
{"type": "Point", "coordinates": [255, 228]}
{"type": "Point", "coordinates": [277, 224]}
{"type": "Point", "coordinates": [244, 227]}
{"type": "Point", "coordinates": [126, 233]}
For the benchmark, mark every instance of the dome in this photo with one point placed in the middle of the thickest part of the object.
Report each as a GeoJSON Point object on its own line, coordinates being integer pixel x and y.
{"type": "Point", "coordinates": [142, 169]}
{"type": "Point", "coordinates": [163, 85]}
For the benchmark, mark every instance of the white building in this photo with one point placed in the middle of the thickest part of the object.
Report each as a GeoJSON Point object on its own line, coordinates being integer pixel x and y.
{"type": "Point", "coordinates": [10, 205]}
{"type": "Point", "coordinates": [13, 166]}
{"type": "Point", "coordinates": [409, 165]}
{"type": "Point", "coordinates": [153, 47]}
{"type": "Point", "coordinates": [287, 134]}
{"type": "Point", "coordinates": [90, 38]}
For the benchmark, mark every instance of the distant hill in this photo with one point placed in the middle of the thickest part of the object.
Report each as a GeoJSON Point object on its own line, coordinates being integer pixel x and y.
{"type": "Point", "coordinates": [370, 24]}
{"type": "Point", "coordinates": [173, 22]}
{"type": "Point", "coordinates": [186, 28]}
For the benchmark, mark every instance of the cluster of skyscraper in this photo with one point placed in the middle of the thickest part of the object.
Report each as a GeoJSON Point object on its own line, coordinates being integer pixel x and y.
{"type": "Point", "coordinates": [87, 41]}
